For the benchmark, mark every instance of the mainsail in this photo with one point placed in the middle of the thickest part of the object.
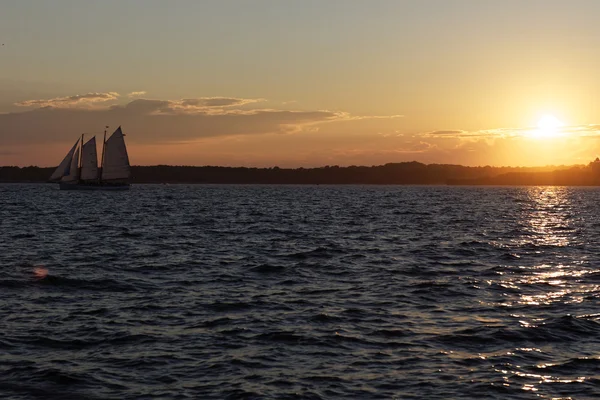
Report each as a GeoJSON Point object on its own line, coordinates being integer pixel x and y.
{"type": "Point", "coordinates": [89, 160]}
{"type": "Point", "coordinates": [65, 165]}
{"type": "Point", "coordinates": [116, 160]}
{"type": "Point", "coordinates": [72, 173]}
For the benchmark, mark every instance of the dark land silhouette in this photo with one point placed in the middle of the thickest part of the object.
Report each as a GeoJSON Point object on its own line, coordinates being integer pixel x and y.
{"type": "Point", "coordinates": [393, 173]}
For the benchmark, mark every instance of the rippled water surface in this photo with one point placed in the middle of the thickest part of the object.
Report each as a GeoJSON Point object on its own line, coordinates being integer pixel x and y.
{"type": "Point", "coordinates": [317, 292]}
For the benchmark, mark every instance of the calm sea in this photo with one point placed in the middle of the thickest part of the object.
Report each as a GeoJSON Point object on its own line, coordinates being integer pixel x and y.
{"type": "Point", "coordinates": [307, 292]}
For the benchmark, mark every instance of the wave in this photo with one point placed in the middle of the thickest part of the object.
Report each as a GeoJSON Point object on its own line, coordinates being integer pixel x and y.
{"type": "Point", "coordinates": [299, 292]}
{"type": "Point", "coordinates": [557, 330]}
{"type": "Point", "coordinates": [101, 285]}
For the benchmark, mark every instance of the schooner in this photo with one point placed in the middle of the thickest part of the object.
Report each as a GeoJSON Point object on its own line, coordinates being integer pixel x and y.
{"type": "Point", "coordinates": [79, 169]}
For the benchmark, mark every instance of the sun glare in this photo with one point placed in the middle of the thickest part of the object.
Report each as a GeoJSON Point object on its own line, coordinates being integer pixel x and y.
{"type": "Point", "coordinates": [547, 127]}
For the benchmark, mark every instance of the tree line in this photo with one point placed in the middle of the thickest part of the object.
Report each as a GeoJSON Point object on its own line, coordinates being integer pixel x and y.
{"type": "Point", "coordinates": [392, 173]}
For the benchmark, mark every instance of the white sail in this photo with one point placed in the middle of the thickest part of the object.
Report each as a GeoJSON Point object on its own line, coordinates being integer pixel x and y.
{"type": "Point", "coordinates": [89, 160]}
{"type": "Point", "coordinates": [65, 164]}
{"type": "Point", "coordinates": [116, 160]}
{"type": "Point", "coordinates": [72, 173]}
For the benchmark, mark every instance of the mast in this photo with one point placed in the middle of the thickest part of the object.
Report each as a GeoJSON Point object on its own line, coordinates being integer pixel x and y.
{"type": "Point", "coordinates": [102, 159]}
{"type": "Point", "coordinates": [80, 156]}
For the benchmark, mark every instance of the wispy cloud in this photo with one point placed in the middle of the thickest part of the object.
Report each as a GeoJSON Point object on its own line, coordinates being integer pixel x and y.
{"type": "Point", "coordinates": [507, 133]}
{"type": "Point", "coordinates": [199, 106]}
{"type": "Point", "coordinates": [161, 120]}
{"type": "Point", "coordinates": [585, 131]}
{"type": "Point", "coordinates": [461, 134]}
{"type": "Point", "coordinates": [455, 133]}
{"type": "Point", "coordinates": [209, 102]}
{"type": "Point", "coordinates": [358, 117]}
{"type": "Point", "coordinates": [79, 100]}
{"type": "Point", "coordinates": [158, 121]}
{"type": "Point", "coordinates": [136, 94]}
{"type": "Point", "coordinates": [207, 105]}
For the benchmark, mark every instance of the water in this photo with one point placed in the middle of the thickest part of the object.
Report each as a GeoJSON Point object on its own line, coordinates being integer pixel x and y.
{"type": "Point", "coordinates": [316, 292]}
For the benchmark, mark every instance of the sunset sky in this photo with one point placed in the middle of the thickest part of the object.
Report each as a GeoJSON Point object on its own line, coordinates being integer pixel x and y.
{"type": "Point", "coordinates": [303, 82]}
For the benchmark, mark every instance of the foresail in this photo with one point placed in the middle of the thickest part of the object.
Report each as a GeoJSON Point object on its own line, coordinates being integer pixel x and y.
{"type": "Point", "coordinates": [89, 160]}
{"type": "Point", "coordinates": [65, 164]}
{"type": "Point", "coordinates": [72, 173]}
{"type": "Point", "coordinates": [116, 160]}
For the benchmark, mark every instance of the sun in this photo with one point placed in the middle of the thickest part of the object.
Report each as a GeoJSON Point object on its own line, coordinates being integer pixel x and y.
{"type": "Point", "coordinates": [548, 126]}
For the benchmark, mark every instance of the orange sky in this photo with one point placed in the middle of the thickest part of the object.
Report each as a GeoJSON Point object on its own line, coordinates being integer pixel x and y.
{"type": "Point", "coordinates": [303, 83]}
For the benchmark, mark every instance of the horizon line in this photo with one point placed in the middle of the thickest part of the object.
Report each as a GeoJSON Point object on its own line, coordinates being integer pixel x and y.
{"type": "Point", "coordinates": [334, 165]}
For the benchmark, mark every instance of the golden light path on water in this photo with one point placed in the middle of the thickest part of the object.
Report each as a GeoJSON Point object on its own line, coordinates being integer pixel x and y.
{"type": "Point", "coordinates": [551, 220]}
{"type": "Point", "coordinates": [548, 223]}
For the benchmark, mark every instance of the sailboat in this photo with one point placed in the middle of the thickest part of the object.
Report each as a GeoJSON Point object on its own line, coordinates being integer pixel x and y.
{"type": "Point", "coordinates": [79, 169]}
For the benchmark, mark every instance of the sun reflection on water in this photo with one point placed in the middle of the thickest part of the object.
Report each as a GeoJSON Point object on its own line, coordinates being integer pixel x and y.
{"type": "Point", "coordinates": [547, 230]}
{"type": "Point", "coordinates": [549, 269]}
{"type": "Point", "coordinates": [548, 218]}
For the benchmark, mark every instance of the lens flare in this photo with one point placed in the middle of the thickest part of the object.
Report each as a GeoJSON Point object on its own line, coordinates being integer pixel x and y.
{"type": "Point", "coordinates": [40, 272]}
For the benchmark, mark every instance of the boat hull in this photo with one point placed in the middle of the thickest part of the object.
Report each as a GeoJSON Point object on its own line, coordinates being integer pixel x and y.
{"type": "Point", "coordinates": [94, 186]}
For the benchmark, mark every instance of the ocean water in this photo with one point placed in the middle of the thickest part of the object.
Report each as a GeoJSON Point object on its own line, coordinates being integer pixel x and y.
{"type": "Point", "coordinates": [307, 292]}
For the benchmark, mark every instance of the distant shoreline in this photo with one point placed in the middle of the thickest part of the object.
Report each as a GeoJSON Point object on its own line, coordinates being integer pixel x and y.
{"type": "Point", "coordinates": [405, 173]}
